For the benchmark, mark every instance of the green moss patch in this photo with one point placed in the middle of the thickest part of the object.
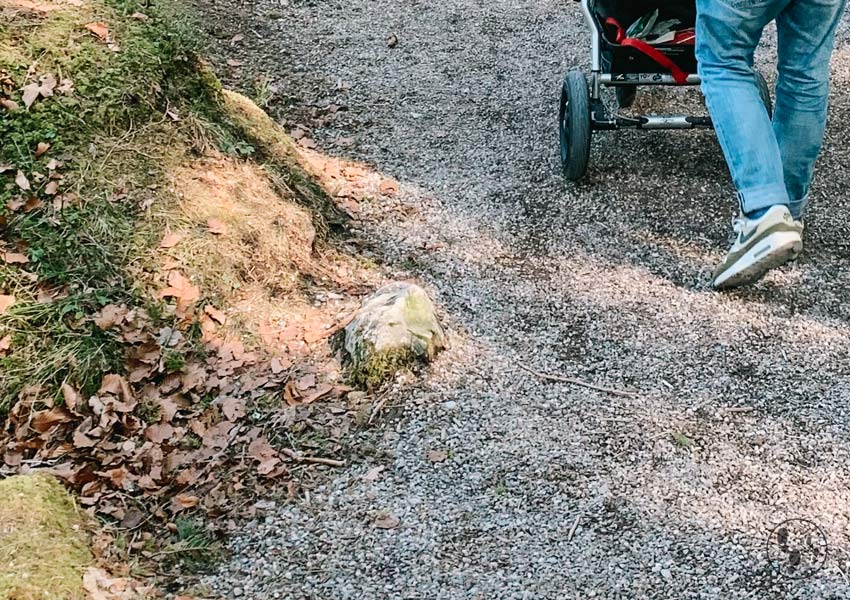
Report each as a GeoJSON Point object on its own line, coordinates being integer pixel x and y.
{"type": "Point", "coordinates": [43, 546]}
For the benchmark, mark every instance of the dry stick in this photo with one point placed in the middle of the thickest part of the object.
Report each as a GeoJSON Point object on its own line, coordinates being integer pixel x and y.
{"type": "Point", "coordinates": [313, 459]}
{"type": "Point", "coordinates": [579, 382]}
{"type": "Point", "coordinates": [574, 527]}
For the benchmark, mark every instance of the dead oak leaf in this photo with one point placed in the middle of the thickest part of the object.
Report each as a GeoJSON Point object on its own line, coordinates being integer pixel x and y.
{"type": "Point", "coordinates": [15, 258]}
{"type": "Point", "coordinates": [22, 182]}
{"type": "Point", "coordinates": [71, 397]}
{"type": "Point", "coordinates": [46, 420]}
{"type": "Point", "coordinates": [5, 344]}
{"type": "Point", "coordinates": [99, 29]}
{"type": "Point", "coordinates": [233, 409]}
{"type": "Point", "coordinates": [159, 432]}
{"type": "Point", "coordinates": [180, 288]}
{"type": "Point", "coordinates": [6, 303]}
{"type": "Point", "coordinates": [110, 316]}
{"type": "Point", "coordinates": [216, 226]}
{"type": "Point", "coordinates": [170, 240]}
{"type": "Point", "coordinates": [387, 521]}
{"type": "Point", "coordinates": [437, 456]}
{"type": "Point", "coordinates": [41, 149]}
{"type": "Point", "coordinates": [373, 474]}
{"type": "Point", "coordinates": [30, 93]}
{"type": "Point", "coordinates": [51, 188]}
{"type": "Point", "coordinates": [182, 502]}
{"type": "Point", "coordinates": [215, 314]}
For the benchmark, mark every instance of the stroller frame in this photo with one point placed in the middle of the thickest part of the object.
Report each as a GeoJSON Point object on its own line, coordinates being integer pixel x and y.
{"type": "Point", "coordinates": [583, 111]}
{"type": "Point", "coordinates": [599, 117]}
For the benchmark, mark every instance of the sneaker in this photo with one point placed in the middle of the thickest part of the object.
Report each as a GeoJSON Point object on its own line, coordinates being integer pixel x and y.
{"type": "Point", "coordinates": [798, 223]}
{"type": "Point", "coordinates": [761, 244]}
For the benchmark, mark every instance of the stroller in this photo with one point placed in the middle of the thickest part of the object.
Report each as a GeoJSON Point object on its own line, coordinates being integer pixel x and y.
{"type": "Point", "coordinates": [633, 43]}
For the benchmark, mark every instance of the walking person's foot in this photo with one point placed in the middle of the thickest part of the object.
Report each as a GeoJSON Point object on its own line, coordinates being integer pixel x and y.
{"type": "Point", "coordinates": [762, 243]}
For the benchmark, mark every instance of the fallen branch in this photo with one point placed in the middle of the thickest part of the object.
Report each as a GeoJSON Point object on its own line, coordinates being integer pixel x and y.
{"type": "Point", "coordinates": [313, 459]}
{"type": "Point", "coordinates": [579, 382]}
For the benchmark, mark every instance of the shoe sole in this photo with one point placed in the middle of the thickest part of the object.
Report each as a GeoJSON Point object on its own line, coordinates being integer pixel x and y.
{"type": "Point", "coordinates": [773, 251]}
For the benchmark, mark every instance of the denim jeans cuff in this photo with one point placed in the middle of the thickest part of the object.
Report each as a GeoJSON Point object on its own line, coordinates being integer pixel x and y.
{"type": "Point", "coordinates": [763, 196]}
{"type": "Point", "coordinates": [798, 207]}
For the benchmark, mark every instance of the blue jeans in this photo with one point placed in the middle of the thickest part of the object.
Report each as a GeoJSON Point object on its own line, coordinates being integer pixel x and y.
{"type": "Point", "coordinates": [771, 163]}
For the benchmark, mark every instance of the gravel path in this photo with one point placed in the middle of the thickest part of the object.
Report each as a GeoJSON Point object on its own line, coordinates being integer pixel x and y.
{"type": "Point", "coordinates": [741, 417]}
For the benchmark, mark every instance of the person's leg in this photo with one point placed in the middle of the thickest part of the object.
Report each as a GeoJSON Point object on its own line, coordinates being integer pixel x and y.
{"type": "Point", "coordinates": [806, 30]}
{"type": "Point", "coordinates": [728, 32]}
{"type": "Point", "coordinates": [766, 235]}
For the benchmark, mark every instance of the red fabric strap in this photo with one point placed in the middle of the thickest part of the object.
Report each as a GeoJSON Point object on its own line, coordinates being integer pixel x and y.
{"type": "Point", "coordinates": [679, 76]}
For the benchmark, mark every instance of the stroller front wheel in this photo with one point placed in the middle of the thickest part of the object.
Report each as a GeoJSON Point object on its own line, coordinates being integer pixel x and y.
{"type": "Point", "coordinates": [574, 125]}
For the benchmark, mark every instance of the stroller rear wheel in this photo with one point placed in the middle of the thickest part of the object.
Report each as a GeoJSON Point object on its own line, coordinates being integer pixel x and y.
{"type": "Point", "coordinates": [574, 125]}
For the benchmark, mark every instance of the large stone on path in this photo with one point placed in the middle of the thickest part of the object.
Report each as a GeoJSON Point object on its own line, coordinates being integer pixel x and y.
{"type": "Point", "coordinates": [396, 327]}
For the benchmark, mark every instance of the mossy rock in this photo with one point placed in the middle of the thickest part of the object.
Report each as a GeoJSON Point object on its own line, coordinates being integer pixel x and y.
{"type": "Point", "coordinates": [43, 545]}
{"type": "Point", "coordinates": [396, 327]}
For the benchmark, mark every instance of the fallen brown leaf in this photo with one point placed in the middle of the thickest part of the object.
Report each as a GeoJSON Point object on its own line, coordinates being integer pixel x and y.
{"type": "Point", "coordinates": [30, 94]}
{"type": "Point", "coordinates": [215, 314]}
{"type": "Point", "coordinates": [217, 226]}
{"type": "Point", "coordinates": [373, 474]}
{"type": "Point", "coordinates": [437, 456]}
{"type": "Point", "coordinates": [71, 397]}
{"type": "Point", "coordinates": [99, 29]}
{"type": "Point", "coordinates": [15, 258]}
{"type": "Point", "coordinates": [170, 240]}
{"type": "Point", "coordinates": [387, 521]}
{"type": "Point", "coordinates": [110, 316]}
{"type": "Point", "coordinates": [47, 419]}
{"type": "Point", "coordinates": [5, 344]}
{"type": "Point", "coordinates": [6, 303]}
{"type": "Point", "coordinates": [388, 187]}
{"type": "Point", "coordinates": [51, 188]}
{"type": "Point", "coordinates": [9, 105]}
{"type": "Point", "coordinates": [41, 149]}
{"type": "Point", "coordinates": [159, 432]}
{"type": "Point", "coordinates": [33, 203]}
{"type": "Point", "coordinates": [180, 288]}
{"type": "Point", "coordinates": [183, 502]}
{"type": "Point", "coordinates": [22, 182]}
{"type": "Point", "coordinates": [321, 390]}
{"type": "Point", "coordinates": [233, 409]}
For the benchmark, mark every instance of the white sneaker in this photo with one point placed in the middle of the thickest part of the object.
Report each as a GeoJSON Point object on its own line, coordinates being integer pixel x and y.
{"type": "Point", "coordinates": [761, 244]}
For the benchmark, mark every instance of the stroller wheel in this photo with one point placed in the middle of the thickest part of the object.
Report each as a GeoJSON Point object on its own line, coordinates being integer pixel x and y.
{"type": "Point", "coordinates": [764, 91]}
{"type": "Point", "coordinates": [574, 125]}
{"type": "Point", "coordinates": [626, 95]}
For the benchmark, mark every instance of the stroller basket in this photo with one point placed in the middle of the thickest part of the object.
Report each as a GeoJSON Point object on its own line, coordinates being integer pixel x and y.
{"type": "Point", "coordinates": [612, 17]}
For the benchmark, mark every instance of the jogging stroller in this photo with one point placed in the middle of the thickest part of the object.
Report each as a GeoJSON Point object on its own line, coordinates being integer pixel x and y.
{"type": "Point", "coordinates": [633, 43]}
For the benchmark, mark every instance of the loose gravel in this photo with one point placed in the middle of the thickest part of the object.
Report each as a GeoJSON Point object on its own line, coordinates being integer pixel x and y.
{"type": "Point", "coordinates": [741, 412]}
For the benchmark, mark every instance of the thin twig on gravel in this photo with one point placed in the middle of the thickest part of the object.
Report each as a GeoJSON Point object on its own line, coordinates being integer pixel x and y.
{"type": "Point", "coordinates": [574, 527]}
{"type": "Point", "coordinates": [574, 381]}
{"type": "Point", "coordinates": [313, 459]}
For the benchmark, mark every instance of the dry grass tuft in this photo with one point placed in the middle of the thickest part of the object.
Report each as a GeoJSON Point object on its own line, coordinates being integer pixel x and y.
{"type": "Point", "coordinates": [43, 546]}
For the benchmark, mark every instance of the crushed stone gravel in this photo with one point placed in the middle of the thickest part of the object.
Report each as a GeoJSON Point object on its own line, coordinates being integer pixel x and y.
{"type": "Point", "coordinates": [741, 417]}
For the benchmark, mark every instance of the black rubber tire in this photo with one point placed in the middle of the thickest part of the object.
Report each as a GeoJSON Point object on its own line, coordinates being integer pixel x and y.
{"type": "Point", "coordinates": [764, 92]}
{"type": "Point", "coordinates": [574, 125]}
{"type": "Point", "coordinates": [626, 95]}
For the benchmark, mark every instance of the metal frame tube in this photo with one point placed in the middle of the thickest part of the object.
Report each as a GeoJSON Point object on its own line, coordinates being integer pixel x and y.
{"type": "Point", "coordinates": [645, 79]}
{"type": "Point", "coordinates": [595, 51]}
